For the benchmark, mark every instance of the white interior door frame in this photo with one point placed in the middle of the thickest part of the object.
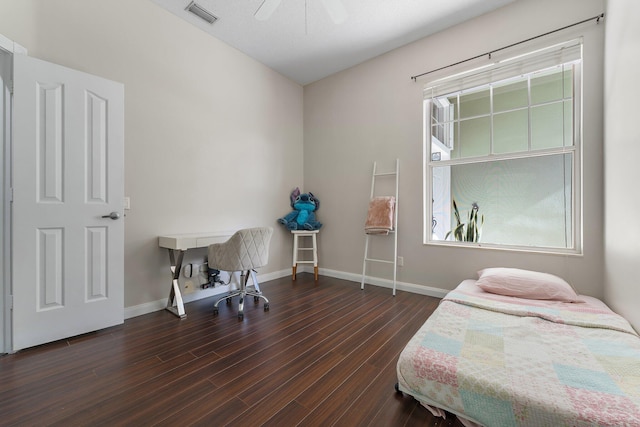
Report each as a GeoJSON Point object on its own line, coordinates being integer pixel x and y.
{"type": "Point", "coordinates": [7, 49]}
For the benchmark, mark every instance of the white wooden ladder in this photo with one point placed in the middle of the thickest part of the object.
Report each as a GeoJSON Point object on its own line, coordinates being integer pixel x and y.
{"type": "Point", "coordinates": [394, 232]}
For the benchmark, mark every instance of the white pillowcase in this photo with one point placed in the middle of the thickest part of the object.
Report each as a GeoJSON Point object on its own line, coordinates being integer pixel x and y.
{"type": "Point", "coordinates": [526, 284]}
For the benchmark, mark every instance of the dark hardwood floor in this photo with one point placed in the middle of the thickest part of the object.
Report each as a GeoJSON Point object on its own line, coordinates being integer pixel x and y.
{"type": "Point", "coordinates": [324, 354]}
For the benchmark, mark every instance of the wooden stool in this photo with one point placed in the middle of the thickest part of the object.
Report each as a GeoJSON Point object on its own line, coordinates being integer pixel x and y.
{"type": "Point", "coordinates": [296, 248]}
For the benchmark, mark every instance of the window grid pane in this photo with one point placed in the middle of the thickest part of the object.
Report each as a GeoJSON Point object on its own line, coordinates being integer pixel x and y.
{"type": "Point", "coordinates": [511, 132]}
{"type": "Point", "coordinates": [475, 137]}
{"type": "Point", "coordinates": [475, 104]}
{"type": "Point", "coordinates": [547, 126]}
{"type": "Point", "coordinates": [511, 96]}
{"type": "Point", "coordinates": [547, 87]}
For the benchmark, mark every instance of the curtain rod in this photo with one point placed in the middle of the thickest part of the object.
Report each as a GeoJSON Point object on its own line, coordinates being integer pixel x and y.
{"type": "Point", "coordinates": [596, 18]}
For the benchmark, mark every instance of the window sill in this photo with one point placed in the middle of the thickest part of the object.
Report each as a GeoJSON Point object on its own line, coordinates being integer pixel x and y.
{"type": "Point", "coordinates": [494, 247]}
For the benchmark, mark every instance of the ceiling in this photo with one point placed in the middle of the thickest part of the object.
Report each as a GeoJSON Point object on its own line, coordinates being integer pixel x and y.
{"type": "Point", "coordinates": [302, 42]}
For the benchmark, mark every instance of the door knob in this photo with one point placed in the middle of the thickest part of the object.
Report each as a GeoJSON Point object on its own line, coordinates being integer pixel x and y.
{"type": "Point", "coordinates": [112, 215]}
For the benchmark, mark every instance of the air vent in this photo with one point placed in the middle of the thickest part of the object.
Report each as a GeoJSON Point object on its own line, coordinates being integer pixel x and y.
{"type": "Point", "coordinates": [201, 12]}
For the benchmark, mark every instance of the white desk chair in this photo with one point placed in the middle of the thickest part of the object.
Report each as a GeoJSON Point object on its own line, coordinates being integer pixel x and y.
{"type": "Point", "coordinates": [244, 251]}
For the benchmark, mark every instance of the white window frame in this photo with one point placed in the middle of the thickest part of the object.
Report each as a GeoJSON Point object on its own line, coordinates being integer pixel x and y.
{"type": "Point", "coordinates": [532, 62]}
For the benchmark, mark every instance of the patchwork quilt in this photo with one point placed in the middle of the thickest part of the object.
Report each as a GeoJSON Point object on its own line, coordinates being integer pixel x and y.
{"type": "Point", "coordinates": [504, 361]}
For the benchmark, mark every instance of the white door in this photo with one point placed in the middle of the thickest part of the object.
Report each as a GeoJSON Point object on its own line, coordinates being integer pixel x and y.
{"type": "Point", "coordinates": [68, 174]}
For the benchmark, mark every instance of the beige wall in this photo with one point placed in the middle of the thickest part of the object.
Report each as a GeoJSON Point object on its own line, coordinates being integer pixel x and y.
{"type": "Point", "coordinates": [213, 139]}
{"type": "Point", "coordinates": [374, 112]}
{"type": "Point", "coordinates": [622, 153]}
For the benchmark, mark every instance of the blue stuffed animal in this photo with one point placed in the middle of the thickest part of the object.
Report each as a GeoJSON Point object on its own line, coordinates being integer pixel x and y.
{"type": "Point", "coordinates": [303, 217]}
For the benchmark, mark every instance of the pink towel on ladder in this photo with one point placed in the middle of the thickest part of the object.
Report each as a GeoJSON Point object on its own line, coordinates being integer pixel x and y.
{"type": "Point", "coordinates": [380, 215]}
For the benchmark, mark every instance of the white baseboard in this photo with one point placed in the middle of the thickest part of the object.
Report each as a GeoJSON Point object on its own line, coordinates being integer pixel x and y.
{"type": "Point", "coordinates": [150, 307]}
{"type": "Point", "coordinates": [385, 283]}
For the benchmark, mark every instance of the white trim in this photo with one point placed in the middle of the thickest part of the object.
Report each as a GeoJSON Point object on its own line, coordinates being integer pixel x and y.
{"type": "Point", "coordinates": [150, 307]}
{"type": "Point", "coordinates": [414, 288]}
{"type": "Point", "coordinates": [11, 46]}
{"type": "Point", "coordinates": [524, 71]}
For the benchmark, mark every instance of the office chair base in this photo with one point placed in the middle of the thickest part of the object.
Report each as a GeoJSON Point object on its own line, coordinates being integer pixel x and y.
{"type": "Point", "coordinates": [242, 293]}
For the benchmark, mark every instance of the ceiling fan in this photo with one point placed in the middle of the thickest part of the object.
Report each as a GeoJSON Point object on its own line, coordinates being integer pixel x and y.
{"type": "Point", "coordinates": [334, 8]}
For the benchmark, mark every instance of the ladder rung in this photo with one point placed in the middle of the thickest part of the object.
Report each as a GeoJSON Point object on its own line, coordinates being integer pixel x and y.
{"type": "Point", "coordinates": [379, 260]}
{"type": "Point", "coordinates": [385, 173]}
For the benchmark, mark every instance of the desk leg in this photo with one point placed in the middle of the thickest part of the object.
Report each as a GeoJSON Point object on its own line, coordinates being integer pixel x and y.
{"type": "Point", "coordinates": [175, 296]}
{"type": "Point", "coordinates": [256, 285]}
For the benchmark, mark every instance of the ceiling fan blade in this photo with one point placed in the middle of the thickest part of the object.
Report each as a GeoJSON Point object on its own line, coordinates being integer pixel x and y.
{"type": "Point", "coordinates": [336, 10]}
{"type": "Point", "coordinates": [266, 9]}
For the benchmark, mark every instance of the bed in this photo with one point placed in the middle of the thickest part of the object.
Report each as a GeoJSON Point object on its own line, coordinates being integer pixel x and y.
{"type": "Point", "coordinates": [502, 360]}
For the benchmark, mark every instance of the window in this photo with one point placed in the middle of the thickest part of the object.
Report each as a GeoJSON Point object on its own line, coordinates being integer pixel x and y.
{"type": "Point", "coordinates": [502, 154]}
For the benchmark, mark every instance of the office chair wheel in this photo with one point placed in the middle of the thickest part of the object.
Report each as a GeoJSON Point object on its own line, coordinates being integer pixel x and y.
{"type": "Point", "coordinates": [240, 316]}
{"type": "Point", "coordinates": [229, 301]}
{"type": "Point", "coordinates": [256, 299]}
{"type": "Point", "coordinates": [215, 311]}
{"type": "Point", "coordinates": [266, 307]}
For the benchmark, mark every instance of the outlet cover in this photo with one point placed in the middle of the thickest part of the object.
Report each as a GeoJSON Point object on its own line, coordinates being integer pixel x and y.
{"type": "Point", "coordinates": [188, 287]}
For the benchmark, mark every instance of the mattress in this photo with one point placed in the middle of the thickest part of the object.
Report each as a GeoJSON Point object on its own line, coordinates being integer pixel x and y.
{"type": "Point", "coordinates": [503, 361]}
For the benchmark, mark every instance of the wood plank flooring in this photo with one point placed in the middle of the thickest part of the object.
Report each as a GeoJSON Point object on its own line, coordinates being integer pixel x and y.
{"type": "Point", "coordinates": [324, 354]}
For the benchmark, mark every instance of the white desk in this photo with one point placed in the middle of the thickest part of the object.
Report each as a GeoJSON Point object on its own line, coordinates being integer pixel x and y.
{"type": "Point", "coordinates": [178, 244]}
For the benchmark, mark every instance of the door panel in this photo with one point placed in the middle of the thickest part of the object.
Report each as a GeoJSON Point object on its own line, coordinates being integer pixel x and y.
{"type": "Point", "coordinates": [68, 173]}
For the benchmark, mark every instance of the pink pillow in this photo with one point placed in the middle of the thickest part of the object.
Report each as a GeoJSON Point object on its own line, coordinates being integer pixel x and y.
{"type": "Point", "coordinates": [526, 284]}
